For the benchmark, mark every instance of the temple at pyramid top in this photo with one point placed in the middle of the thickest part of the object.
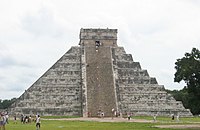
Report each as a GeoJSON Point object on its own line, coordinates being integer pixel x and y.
{"type": "Point", "coordinates": [107, 36]}
{"type": "Point", "coordinates": [93, 79]}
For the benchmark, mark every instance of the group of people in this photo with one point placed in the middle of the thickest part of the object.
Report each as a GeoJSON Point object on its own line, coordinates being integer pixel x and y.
{"type": "Point", "coordinates": [116, 113]}
{"type": "Point", "coordinates": [29, 119]}
{"type": "Point", "coordinates": [177, 117]}
{"type": "Point", "coordinates": [172, 117]}
{"type": "Point", "coordinates": [24, 119]}
{"type": "Point", "coordinates": [100, 114]}
{"type": "Point", "coordinates": [3, 120]}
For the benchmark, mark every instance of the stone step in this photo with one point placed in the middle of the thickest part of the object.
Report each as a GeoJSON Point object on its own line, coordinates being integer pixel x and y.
{"type": "Point", "coordinates": [128, 65]}
{"type": "Point", "coordinates": [69, 65]}
{"type": "Point", "coordinates": [153, 106]}
{"type": "Point", "coordinates": [136, 80]}
{"type": "Point", "coordinates": [54, 81]}
{"type": "Point", "coordinates": [142, 93]}
{"type": "Point", "coordinates": [141, 87]}
{"type": "Point", "coordinates": [133, 97]}
{"type": "Point", "coordinates": [123, 57]}
{"type": "Point", "coordinates": [132, 73]}
{"type": "Point", "coordinates": [118, 50]}
{"type": "Point", "coordinates": [73, 50]}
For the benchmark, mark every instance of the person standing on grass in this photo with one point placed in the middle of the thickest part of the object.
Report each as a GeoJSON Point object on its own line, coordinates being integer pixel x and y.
{"type": "Point", "coordinates": [15, 119]}
{"type": "Point", "coordinates": [102, 114]}
{"type": "Point", "coordinates": [154, 117]}
{"type": "Point", "coordinates": [2, 122]}
{"type": "Point", "coordinates": [113, 112]}
{"type": "Point", "coordinates": [129, 116]}
{"type": "Point", "coordinates": [22, 118]}
{"type": "Point", "coordinates": [177, 117]}
{"type": "Point", "coordinates": [7, 118]}
{"type": "Point", "coordinates": [172, 116]}
{"type": "Point", "coordinates": [38, 122]}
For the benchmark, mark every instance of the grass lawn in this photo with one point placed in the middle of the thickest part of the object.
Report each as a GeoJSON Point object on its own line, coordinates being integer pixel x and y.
{"type": "Point", "coordinates": [91, 125]}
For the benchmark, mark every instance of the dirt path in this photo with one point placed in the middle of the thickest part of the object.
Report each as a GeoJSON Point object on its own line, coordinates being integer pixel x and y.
{"type": "Point", "coordinates": [187, 126]}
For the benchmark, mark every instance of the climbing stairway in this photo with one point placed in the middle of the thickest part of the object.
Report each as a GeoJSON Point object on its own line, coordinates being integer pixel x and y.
{"type": "Point", "coordinates": [100, 82]}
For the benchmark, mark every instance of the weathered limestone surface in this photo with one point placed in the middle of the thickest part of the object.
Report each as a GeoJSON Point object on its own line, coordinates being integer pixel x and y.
{"type": "Point", "coordinates": [100, 94]}
{"type": "Point", "coordinates": [57, 91]}
{"type": "Point", "coordinates": [100, 82]}
{"type": "Point", "coordinates": [139, 93]}
{"type": "Point", "coordinates": [89, 78]}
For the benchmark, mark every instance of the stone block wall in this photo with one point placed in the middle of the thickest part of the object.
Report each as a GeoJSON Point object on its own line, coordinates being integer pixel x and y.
{"type": "Point", "coordinates": [58, 91]}
{"type": "Point", "coordinates": [137, 92]}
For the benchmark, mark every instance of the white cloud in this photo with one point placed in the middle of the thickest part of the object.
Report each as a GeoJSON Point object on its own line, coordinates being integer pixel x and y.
{"type": "Point", "coordinates": [42, 24]}
{"type": "Point", "coordinates": [34, 34]}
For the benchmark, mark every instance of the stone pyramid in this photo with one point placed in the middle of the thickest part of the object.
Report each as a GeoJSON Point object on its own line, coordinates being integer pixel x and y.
{"type": "Point", "coordinates": [94, 77]}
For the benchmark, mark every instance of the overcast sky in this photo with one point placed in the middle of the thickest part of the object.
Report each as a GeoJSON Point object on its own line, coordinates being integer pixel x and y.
{"type": "Point", "coordinates": [34, 34]}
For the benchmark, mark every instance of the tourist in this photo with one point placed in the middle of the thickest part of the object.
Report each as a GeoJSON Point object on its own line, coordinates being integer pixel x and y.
{"type": "Point", "coordinates": [6, 116]}
{"type": "Point", "coordinates": [102, 114]}
{"type": "Point", "coordinates": [154, 117]}
{"type": "Point", "coordinates": [29, 119]}
{"type": "Point", "coordinates": [113, 112]}
{"type": "Point", "coordinates": [26, 119]}
{"type": "Point", "coordinates": [22, 118]}
{"type": "Point", "coordinates": [38, 122]}
{"type": "Point", "coordinates": [129, 116]}
{"type": "Point", "coordinates": [177, 118]}
{"type": "Point", "coordinates": [15, 119]}
{"type": "Point", "coordinates": [121, 115]}
{"type": "Point", "coordinates": [3, 122]}
{"type": "Point", "coordinates": [97, 44]}
{"type": "Point", "coordinates": [172, 116]}
{"type": "Point", "coordinates": [99, 113]}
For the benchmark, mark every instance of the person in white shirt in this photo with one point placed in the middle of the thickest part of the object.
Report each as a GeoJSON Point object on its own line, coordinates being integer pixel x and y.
{"type": "Point", "coordinates": [7, 118]}
{"type": "Point", "coordinates": [38, 122]}
{"type": "Point", "coordinates": [177, 117]}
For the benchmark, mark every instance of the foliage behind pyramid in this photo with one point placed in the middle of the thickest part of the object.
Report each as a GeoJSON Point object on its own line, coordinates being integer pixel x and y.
{"type": "Point", "coordinates": [97, 76]}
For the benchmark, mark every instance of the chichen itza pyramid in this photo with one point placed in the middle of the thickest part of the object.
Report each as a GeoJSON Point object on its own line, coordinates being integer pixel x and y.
{"type": "Point", "coordinates": [97, 75]}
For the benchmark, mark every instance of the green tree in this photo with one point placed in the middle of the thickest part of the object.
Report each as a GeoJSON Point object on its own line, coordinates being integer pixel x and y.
{"type": "Point", "coordinates": [4, 104]}
{"type": "Point", "coordinates": [188, 70]}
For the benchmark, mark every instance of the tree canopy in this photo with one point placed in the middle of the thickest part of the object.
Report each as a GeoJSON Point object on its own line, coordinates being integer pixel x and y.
{"type": "Point", "coordinates": [4, 104]}
{"type": "Point", "coordinates": [188, 70]}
